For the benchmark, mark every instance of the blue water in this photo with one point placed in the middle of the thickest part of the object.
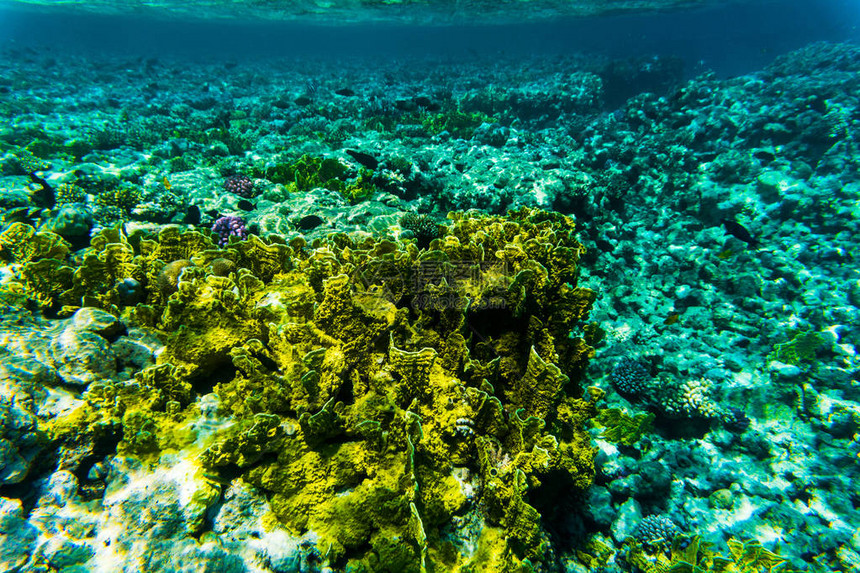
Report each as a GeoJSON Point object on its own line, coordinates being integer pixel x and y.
{"type": "Point", "coordinates": [729, 40]}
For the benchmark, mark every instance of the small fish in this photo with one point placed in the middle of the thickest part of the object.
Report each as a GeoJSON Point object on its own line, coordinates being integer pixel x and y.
{"type": "Point", "coordinates": [192, 216]}
{"type": "Point", "coordinates": [364, 159]}
{"type": "Point", "coordinates": [44, 196]}
{"type": "Point", "coordinates": [725, 254]}
{"type": "Point", "coordinates": [426, 103]}
{"type": "Point", "coordinates": [309, 222]}
{"type": "Point", "coordinates": [738, 231]}
{"type": "Point", "coordinates": [166, 183]}
{"type": "Point", "coordinates": [672, 318]}
{"type": "Point", "coordinates": [346, 92]}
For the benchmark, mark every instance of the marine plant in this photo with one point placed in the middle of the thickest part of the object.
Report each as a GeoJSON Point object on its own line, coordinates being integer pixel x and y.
{"type": "Point", "coordinates": [801, 347]}
{"type": "Point", "coordinates": [106, 137]}
{"type": "Point", "coordinates": [622, 428]}
{"type": "Point", "coordinates": [361, 189]}
{"type": "Point", "coordinates": [458, 123]}
{"type": "Point", "coordinates": [423, 228]}
{"type": "Point", "coordinates": [380, 392]}
{"type": "Point", "coordinates": [306, 173]}
{"type": "Point", "coordinates": [381, 123]}
{"type": "Point", "coordinates": [179, 164]}
{"type": "Point", "coordinates": [236, 140]}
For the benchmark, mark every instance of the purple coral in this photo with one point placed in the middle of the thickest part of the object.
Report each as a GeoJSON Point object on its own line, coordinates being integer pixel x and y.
{"type": "Point", "coordinates": [241, 185]}
{"type": "Point", "coordinates": [229, 226]}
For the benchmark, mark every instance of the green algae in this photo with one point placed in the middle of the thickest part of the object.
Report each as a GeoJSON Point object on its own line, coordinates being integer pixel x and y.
{"type": "Point", "coordinates": [457, 123]}
{"type": "Point", "coordinates": [306, 173]}
{"type": "Point", "coordinates": [800, 348]}
{"type": "Point", "coordinates": [362, 189]}
{"type": "Point", "coordinates": [622, 428]}
{"type": "Point", "coordinates": [692, 555]}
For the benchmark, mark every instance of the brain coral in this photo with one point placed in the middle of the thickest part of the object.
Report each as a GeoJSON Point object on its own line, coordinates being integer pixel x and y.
{"type": "Point", "coordinates": [385, 397]}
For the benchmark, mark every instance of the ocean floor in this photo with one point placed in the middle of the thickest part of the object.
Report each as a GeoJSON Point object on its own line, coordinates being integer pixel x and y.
{"type": "Point", "coordinates": [179, 395]}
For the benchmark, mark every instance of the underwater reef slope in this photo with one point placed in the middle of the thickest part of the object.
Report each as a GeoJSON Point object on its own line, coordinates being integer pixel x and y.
{"type": "Point", "coordinates": [240, 330]}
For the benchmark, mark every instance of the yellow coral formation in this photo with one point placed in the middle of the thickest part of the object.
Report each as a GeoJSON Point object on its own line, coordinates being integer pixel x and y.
{"type": "Point", "coordinates": [378, 390]}
{"type": "Point", "coordinates": [20, 243]}
{"type": "Point", "coordinates": [694, 555]}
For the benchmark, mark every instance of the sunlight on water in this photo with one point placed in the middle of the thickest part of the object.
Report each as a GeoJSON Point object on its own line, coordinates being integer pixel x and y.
{"type": "Point", "coordinates": [352, 11]}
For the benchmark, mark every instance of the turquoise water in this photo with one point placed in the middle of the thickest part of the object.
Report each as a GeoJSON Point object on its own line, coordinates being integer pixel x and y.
{"type": "Point", "coordinates": [429, 286]}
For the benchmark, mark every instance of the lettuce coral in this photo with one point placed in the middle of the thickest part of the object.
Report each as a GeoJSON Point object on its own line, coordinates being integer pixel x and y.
{"type": "Point", "coordinates": [306, 173]}
{"type": "Point", "coordinates": [692, 555]}
{"type": "Point", "coordinates": [381, 393]}
{"type": "Point", "coordinates": [801, 347]}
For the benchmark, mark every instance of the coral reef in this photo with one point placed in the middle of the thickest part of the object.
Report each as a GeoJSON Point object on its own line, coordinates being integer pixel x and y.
{"type": "Point", "coordinates": [422, 227]}
{"type": "Point", "coordinates": [630, 377]}
{"type": "Point", "coordinates": [691, 398]}
{"type": "Point", "coordinates": [73, 222]}
{"type": "Point", "coordinates": [352, 386]}
{"type": "Point", "coordinates": [695, 555]}
{"type": "Point", "coordinates": [620, 427]}
{"type": "Point", "coordinates": [360, 405]}
{"type": "Point", "coordinates": [125, 198]}
{"type": "Point", "coordinates": [656, 531]}
{"type": "Point", "coordinates": [675, 398]}
{"type": "Point", "coordinates": [801, 347]}
{"type": "Point", "coordinates": [306, 173]}
{"type": "Point", "coordinates": [70, 193]}
{"type": "Point", "coordinates": [229, 226]}
{"type": "Point", "coordinates": [457, 123]}
{"type": "Point", "coordinates": [239, 185]}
